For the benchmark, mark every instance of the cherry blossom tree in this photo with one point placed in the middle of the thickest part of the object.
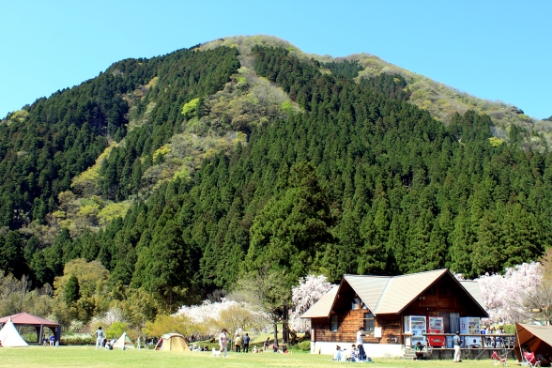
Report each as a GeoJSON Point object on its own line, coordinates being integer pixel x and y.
{"type": "Point", "coordinates": [210, 317]}
{"type": "Point", "coordinates": [508, 297]}
{"type": "Point", "coordinates": [310, 289]}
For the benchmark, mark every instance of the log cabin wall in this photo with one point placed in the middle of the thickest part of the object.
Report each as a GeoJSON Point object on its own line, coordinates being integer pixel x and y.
{"type": "Point", "coordinates": [391, 329]}
{"type": "Point", "coordinates": [348, 324]}
{"type": "Point", "coordinates": [350, 312]}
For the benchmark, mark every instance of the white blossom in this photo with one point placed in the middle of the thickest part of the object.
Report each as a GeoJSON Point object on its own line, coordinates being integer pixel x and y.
{"type": "Point", "coordinates": [503, 294]}
{"type": "Point", "coordinates": [310, 289]}
{"type": "Point", "coordinates": [213, 316]}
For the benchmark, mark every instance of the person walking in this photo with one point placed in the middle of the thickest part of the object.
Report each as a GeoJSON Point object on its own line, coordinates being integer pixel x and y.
{"type": "Point", "coordinates": [246, 340]}
{"type": "Point", "coordinates": [223, 342]}
{"type": "Point", "coordinates": [457, 342]}
{"type": "Point", "coordinates": [100, 337]}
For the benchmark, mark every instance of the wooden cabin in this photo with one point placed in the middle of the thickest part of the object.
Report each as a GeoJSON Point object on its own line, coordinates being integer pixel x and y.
{"type": "Point", "coordinates": [385, 308]}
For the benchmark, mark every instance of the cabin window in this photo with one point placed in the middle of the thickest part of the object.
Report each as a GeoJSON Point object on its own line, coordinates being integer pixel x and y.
{"type": "Point", "coordinates": [355, 304]}
{"type": "Point", "coordinates": [333, 323]}
{"type": "Point", "coordinates": [368, 322]}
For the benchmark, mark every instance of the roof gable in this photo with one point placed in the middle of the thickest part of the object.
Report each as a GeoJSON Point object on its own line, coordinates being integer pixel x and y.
{"type": "Point", "coordinates": [475, 291]}
{"type": "Point", "coordinates": [391, 294]}
{"type": "Point", "coordinates": [323, 306]}
{"type": "Point", "coordinates": [404, 289]}
{"type": "Point", "coordinates": [369, 288]}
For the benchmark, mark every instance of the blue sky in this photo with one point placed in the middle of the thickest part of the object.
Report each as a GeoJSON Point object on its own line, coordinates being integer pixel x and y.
{"type": "Point", "coordinates": [498, 50]}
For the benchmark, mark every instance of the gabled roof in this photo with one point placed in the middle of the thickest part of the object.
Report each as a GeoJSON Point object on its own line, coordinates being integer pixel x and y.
{"type": "Point", "coordinates": [402, 290]}
{"type": "Point", "coordinates": [322, 307]}
{"type": "Point", "coordinates": [391, 294]}
{"type": "Point", "coordinates": [475, 291]}
{"type": "Point", "coordinates": [28, 319]}
{"type": "Point", "coordinates": [368, 288]}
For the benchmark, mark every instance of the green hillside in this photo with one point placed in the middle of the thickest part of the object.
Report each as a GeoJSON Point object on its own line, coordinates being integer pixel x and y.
{"type": "Point", "coordinates": [193, 171]}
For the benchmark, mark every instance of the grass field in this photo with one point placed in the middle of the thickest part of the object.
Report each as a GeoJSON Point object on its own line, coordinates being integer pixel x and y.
{"type": "Point", "coordinates": [87, 356]}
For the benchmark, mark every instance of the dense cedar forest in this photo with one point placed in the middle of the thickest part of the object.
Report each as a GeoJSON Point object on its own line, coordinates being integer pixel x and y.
{"type": "Point", "coordinates": [355, 180]}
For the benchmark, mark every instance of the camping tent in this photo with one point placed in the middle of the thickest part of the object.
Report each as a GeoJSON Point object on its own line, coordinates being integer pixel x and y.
{"type": "Point", "coordinates": [172, 341]}
{"type": "Point", "coordinates": [537, 339]}
{"type": "Point", "coordinates": [10, 337]}
{"type": "Point", "coordinates": [125, 341]}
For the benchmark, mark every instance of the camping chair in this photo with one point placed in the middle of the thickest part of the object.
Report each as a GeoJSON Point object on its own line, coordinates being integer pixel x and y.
{"type": "Point", "coordinates": [500, 359]}
{"type": "Point", "coordinates": [530, 360]}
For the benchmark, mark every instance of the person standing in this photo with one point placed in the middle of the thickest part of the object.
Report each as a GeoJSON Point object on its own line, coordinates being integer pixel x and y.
{"type": "Point", "coordinates": [361, 353]}
{"type": "Point", "coordinates": [456, 342]}
{"type": "Point", "coordinates": [237, 343]}
{"type": "Point", "coordinates": [100, 337]}
{"type": "Point", "coordinates": [223, 343]}
{"type": "Point", "coordinates": [246, 340]}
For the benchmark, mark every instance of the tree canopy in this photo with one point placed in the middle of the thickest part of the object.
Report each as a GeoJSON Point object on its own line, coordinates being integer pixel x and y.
{"type": "Point", "coordinates": [301, 167]}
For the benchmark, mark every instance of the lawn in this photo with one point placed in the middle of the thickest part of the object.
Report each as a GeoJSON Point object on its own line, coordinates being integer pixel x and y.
{"type": "Point", "coordinates": [87, 356]}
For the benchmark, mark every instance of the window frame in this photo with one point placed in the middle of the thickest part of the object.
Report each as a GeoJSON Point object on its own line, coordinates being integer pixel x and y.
{"type": "Point", "coordinates": [334, 323]}
{"type": "Point", "coordinates": [369, 321]}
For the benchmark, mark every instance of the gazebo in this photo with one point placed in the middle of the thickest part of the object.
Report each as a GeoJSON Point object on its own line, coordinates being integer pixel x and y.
{"type": "Point", "coordinates": [26, 319]}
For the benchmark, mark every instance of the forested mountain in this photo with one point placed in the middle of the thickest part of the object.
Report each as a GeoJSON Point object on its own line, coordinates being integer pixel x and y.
{"type": "Point", "coordinates": [187, 172]}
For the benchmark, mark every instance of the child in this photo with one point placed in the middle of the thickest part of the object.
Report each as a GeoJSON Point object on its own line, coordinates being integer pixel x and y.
{"type": "Point", "coordinates": [353, 357]}
{"type": "Point", "coordinates": [337, 355]}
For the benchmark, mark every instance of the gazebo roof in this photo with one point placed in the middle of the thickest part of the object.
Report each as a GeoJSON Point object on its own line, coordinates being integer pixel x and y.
{"type": "Point", "coordinates": [28, 319]}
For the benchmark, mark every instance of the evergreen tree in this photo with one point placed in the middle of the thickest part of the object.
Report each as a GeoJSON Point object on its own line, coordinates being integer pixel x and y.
{"type": "Point", "coordinates": [72, 290]}
{"type": "Point", "coordinates": [12, 259]}
{"type": "Point", "coordinates": [291, 232]}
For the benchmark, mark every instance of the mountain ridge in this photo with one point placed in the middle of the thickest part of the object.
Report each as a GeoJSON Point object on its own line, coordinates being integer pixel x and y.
{"type": "Point", "coordinates": [207, 164]}
{"type": "Point", "coordinates": [424, 89]}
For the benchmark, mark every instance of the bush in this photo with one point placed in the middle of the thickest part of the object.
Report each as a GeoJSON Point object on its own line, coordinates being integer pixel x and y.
{"type": "Point", "coordinates": [78, 339]}
{"type": "Point", "coordinates": [304, 345]}
{"type": "Point", "coordinates": [29, 337]}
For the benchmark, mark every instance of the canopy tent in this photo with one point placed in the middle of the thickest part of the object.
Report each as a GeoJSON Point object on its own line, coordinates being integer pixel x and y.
{"type": "Point", "coordinates": [536, 339]}
{"type": "Point", "coordinates": [123, 342]}
{"type": "Point", "coordinates": [26, 319]}
{"type": "Point", "coordinates": [172, 341]}
{"type": "Point", "coordinates": [10, 337]}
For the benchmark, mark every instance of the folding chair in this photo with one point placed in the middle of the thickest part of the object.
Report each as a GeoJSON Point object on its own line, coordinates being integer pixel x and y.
{"type": "Point", "coordinates": [500, 359]}
{"type": "Point", "coordinates": [530, 360]}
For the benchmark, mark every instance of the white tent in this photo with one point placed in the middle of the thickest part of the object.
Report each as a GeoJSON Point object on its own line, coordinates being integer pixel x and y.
{"type": "Point", "coordinates": [10, 337]}
{"type": "Point", "coordinates": [123, 342]}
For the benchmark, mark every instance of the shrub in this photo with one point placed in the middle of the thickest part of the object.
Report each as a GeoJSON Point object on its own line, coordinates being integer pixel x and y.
{"type": "Point", "coordinates": [77, 339]}
{"type": "Point", "coordinates": [29, 337]}
{"type": "Point", "coordinates": [304, 345]}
